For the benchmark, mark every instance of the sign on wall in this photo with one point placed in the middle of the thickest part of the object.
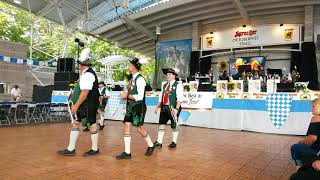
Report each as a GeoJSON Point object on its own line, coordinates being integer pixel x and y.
{"type": "Point", "coordinates": [251, 36]}
{"type": "Point", "coordinates": [197, 100]}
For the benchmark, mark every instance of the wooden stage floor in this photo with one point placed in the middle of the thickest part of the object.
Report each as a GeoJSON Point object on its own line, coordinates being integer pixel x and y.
{"type": "Point", "coordinates": [29, 152]}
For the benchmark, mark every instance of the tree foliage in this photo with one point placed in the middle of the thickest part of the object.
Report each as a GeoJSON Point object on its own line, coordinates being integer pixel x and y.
{"type": "Point", "coordinates": [15, 26]}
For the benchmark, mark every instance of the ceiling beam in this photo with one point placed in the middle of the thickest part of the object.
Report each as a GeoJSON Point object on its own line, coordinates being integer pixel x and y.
{"type": "Point", "coordinates": [139, 27]}
{"type": "Point", "coordinates": [242, 10]}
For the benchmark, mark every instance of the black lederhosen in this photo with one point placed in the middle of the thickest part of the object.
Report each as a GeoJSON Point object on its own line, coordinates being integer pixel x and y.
{"type": "Point", "coordinates": [135, 114]}
{"type": "Point", "coordinates": [165, 116]}
{"type": "Point", "coordinates": [88, 109]}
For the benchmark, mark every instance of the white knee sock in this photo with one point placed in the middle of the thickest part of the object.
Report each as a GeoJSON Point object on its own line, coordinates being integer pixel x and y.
{"type": "Point", "coordinates": [127, 143]}
{"type": "Point", "coordinates": [94, 140]}
{"type": "Point", "coordinates": [175, 135]}
{"type": "Point", "coordinates": [160, 135]}
{"type": "Point", "coordinates": [74, 133]}
{"type": "Point", "coordinates": [148, 140]}
{"type": "Point", "coordinates": [101, 120]}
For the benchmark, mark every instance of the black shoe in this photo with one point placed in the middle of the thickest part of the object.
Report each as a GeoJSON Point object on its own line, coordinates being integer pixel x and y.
{"type": "Point", "coordinates": [156, 144]}
{"type": "Point", "coordinates": [86, 129]}
{"type": "Point", "coordinates": [91, 152]}
{"type": "Point", "coordinates": [66, 152]}
{"type": "Point", "coordinates": [149, 151]}
{"type": "Point", "coordinates": [172, 145]}
{"type": "Point", "coordinates": [124, 155]}
{"type": "Point", "coordinates": [101, 127]}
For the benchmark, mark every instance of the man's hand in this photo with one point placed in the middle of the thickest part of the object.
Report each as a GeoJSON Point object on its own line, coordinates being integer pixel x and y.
{"type": "Point", "coordinates": [123, 95]}
{"type": "Point", "coordinates": [175, 112]}
{"type": "Point", "coordinates": [74, 109]}
{"type": "Point", "coordinates": [316, 165]}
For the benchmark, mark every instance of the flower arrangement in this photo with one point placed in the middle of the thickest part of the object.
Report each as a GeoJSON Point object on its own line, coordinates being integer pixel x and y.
{"type": "Point", "coordinates": [186, 87]}
{"type": "Point", "coordinates": [301, 86]}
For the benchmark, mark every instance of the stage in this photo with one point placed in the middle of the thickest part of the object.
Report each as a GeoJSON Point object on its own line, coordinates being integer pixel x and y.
{"type": "Point", "coordinates": [290, 113]}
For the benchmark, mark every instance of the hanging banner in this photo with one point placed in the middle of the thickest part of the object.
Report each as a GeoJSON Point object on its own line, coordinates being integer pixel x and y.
{"type": "Point", "coordinates": [251, 36]}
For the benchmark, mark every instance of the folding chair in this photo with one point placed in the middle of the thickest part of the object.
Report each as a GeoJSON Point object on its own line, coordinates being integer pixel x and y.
{"type": "Point", "coordinates": [38, 114]}
{"type": "Point", "coordinates": [5, 114]}
{"type": "Point", "coordinates": [21, 114]}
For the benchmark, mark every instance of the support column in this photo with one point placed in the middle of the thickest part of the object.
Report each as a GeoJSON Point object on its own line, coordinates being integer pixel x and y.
{"type": "Point", "coordinates": [308, 23]}
{"type": "Point", "coordinates": [196, 29]}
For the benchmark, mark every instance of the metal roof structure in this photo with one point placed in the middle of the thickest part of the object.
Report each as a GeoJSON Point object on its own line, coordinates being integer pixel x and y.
{"type": "Point", "coordinates": [132, 23]}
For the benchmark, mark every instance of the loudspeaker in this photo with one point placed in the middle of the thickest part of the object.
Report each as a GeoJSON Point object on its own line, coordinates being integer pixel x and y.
{"type": "Point", "coordinates": [205, 63]}
{"type": "Point", "coordinates": [309, 66]}
{"type": "Point", "coordinates": [42, 94]}
{"type": "Point", "coordinates": [61, 85]}
{"type": "Point", "coordinates": [66, 76]}
{"type": "Point", "coordinates": [63, 79]}
{"type": "Point", "coordinates": [194, 63]}
{"type": "Point", "coordinates": [285, 87]}
{"type": "Point", "coordinates": [65, 65]}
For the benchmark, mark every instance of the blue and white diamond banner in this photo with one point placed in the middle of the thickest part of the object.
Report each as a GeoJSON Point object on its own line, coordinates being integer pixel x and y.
{"type": "Point", "coordinates": [278, 106]}
{"type": "Point", "coordinates": [114, 102]}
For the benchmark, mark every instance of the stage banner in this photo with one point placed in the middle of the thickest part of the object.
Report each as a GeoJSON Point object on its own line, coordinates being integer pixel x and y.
{"type": "Point", "coordinates": [174, 54]}
{"type": "Point", "coordinates": [251, 36]}
{"type": "Point", "coordinates": [197, 100]}
{"type": "Point", "coordinates": [60, 96]}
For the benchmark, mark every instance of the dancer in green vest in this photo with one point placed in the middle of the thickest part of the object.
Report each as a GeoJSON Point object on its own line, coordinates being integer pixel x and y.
{"type": "Point", "coordinates": [135, 109]}
{"type": "Point", "coordinates": [170, 100]}
{"type": "Point", "coordinates": [103, 100]}
{"type": "Point", "coordinates": [84, 103]}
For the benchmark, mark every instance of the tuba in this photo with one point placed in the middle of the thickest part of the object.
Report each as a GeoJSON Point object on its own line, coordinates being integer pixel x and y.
{"type": "Point", "coordinates": [222, 66]}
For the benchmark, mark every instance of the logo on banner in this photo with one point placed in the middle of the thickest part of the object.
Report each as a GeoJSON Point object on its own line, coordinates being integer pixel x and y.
{"type": "Point", "coordinates": [209, 41]}
{"type": "Point", "coordinates": [245, 33]}
{"type": "Point", "coordinates": [114, 102]}
{"type": "Point", "coordinates": [220, 95]}
{"type": "Point", "coordinates": [245, 96]}
{"type": "Point", "coordinates": [305, 96]}
{"type": "Point", "coordinates": [288, 34]}
{"type": "Point", "coordinates": [278, 107]}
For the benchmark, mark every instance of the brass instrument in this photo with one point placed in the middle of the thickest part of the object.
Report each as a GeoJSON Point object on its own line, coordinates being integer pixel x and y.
{"type": "Point", "coordinates": [222, 66]}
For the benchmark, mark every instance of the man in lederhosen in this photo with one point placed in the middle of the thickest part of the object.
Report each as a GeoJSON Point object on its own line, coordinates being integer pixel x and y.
{"type": "Point", "coordinates": [85, 102]}
{"type": "Point", "coordinates": [135, 109]}
{"type": "Point", "coordinates": [170, 100]}
{"type": "Point", "coordinates": [103, 99]}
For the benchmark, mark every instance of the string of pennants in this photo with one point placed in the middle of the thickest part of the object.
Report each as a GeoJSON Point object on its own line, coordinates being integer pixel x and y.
{"type": "Point", "coordinates": [35, 62]}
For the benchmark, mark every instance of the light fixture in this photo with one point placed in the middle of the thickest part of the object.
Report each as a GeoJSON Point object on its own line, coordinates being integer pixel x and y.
{"type": "Point", "coordinates": [158, 30]}
{"type": "Point", "coordinates": [80, 24]}
{"type": "Point", "coordinates": [281, 25]}
{"type": "Point", "coordinates": [244, 25]}
{"type": "Point", "coordinates": [17, 1]}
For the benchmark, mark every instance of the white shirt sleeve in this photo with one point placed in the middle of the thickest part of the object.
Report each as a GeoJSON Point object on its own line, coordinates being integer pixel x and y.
{"type": "Point", "coordinates": [141, 84]}
{"type": "Point", "coordinates": [160, 95]}
{"type": "Point", "coordinates": [86, 81]}
{"type": "Point", "coordinates": [179, 92]}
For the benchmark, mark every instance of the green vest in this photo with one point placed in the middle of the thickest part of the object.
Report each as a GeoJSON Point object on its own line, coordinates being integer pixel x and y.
{"type": "Point", "coordinates": [75, 93]}
{"type": "Point", "coordinates": [134, 90]}
{"type": "Point", "coordinates": [172, 95]}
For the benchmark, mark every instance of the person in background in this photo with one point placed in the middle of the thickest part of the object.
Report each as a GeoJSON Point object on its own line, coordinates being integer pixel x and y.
{"type": "Point", "coordinates": [308, 146]}
{"type": "Point", "coordinates": [103, 99]}
{"type": "Point", "coordinates": [16, 93]}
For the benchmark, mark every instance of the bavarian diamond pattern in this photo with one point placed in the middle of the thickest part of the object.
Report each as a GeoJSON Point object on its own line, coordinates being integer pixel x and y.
{"type": "Point", "coordinates": [114, 102]}
{"type": "Point", "coordinates": [278, 107]}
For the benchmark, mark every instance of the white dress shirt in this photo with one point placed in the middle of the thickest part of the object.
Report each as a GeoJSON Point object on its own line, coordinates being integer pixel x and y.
{"type": "Point", "coordinates": [86, 80]}
{"type": "Point", "coordinates": [15, 92]}
{"type": "Point", "coordinates": [179, 91]}
{"type": "Point", "coordinates": [141, 84]}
